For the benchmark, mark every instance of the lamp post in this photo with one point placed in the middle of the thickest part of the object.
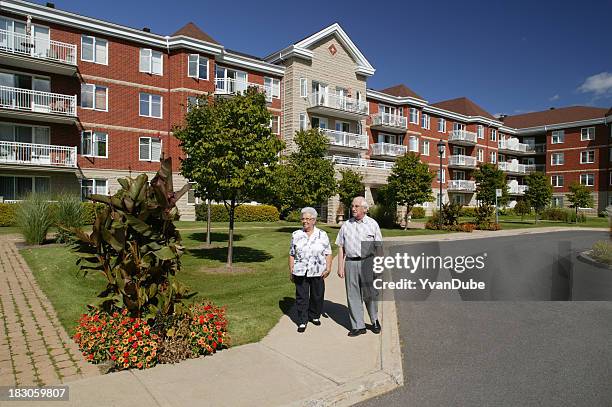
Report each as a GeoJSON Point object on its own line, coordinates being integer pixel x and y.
{"type": "Point", "coordinates": [440, 153]}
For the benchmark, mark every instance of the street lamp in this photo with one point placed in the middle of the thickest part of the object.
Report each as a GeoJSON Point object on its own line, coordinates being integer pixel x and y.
{"type": "Point", "coordinates": [440, 153]}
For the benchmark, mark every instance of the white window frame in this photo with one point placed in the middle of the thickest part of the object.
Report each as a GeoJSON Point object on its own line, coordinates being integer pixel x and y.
{"type": "Point", "coordinates": [150, 159]}
{"type": "Point", "coordinates": [414, 113]}
{"type": "Point", "coordinates": [413, 141]}
{"type": "Point", "coordinates": [93, 147]}
{"type": "Point", "coordinates": [443, 175]}
{"type": "Point", "coordinates": [95, 186]}
{"type": "Point", "coordinates": [441, 125]}
{"type": "Point", "coordinates": [303, 121]}
{"type": "Point", "coordinates": [161, 105]}
{"type": "Point", "coordinates": [94, 44]}
{"type": "Point", "coordinates": [554, 181]}
{"type": "Point", "coordinates": [277, 124]}
{"type": "Point", "coordinates": [197, 61]}
{"type": "Point", "coordinates": [150, 54]}
{"type": "Point", "coordinates": [557, 137]}
{"type": "Point", "coordinates": [95, 88]}
{"type": "Point", "coordinates": [425, 121]}
{"type": "Point", "coordinates": [274, 85]}
{"type": "Point", "coordinates": [552, 159]}
{"type": "Point", "coordinates": [493, 157]}
{"type": "Point", "coordinates": [425, 147]}
{"type": "Point", "coordinates": [480, 155]}
{"type": "Point", "coordinates": [480, 131]}
{"type": "Point", "coordinates": [590, 135]}
{"type": "Point", "coordinates": [587, 153]}
{"type": "Point", "coordinates": [557, 202]}
{"type": "Point", "coordinates": [586, 178]}
{"type": "Point", "coordinates": [493, 136]}
{"type": "Point", "coordinates": [303, 87]}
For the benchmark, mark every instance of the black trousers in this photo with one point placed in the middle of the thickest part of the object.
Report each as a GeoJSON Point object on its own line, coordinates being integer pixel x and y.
{"type": "Point", "coordinates": [309, 293]}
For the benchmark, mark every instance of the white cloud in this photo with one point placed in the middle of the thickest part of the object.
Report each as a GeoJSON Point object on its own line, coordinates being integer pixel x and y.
{"type": "Point", "coordinates": [599, 84]}
{"type": "Point", "coordinates": [553, 98]}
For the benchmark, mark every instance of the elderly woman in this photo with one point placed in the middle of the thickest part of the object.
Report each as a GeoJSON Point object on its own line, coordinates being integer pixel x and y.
{"type": "Point", "coordinates": [310, 261]}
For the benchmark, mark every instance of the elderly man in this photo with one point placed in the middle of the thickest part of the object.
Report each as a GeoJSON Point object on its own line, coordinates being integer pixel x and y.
{"type": "Point", "coordinates": [354, 236]}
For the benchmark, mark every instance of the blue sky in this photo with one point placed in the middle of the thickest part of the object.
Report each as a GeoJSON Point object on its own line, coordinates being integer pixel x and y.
{"type": "Point", "coordinates": [509, 57]}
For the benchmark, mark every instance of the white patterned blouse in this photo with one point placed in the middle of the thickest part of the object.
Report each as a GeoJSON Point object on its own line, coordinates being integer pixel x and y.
{"type": "Point", "coordinates": [309, 252]}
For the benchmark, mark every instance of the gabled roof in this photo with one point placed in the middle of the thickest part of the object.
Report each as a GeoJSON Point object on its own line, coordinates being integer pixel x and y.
{"type": "Point", "coordinates": [193, 31]}
{"type": "Point", "coordinates": [302, 49]}
{"type": "Point", "coordinates": [463, 106]}
{"type": "Point", "coordinates": [401, 90]}
{"type": "Point", "coordinates": [556, 116]}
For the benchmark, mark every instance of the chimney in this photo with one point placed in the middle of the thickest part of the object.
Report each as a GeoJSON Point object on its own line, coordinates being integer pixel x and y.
{"type": "Point", "coordinates": [146, 29]}
{"type": "Point", "coordinates": [552, 108]}
{"type": "Point", "coordinates": [50, 5]}
{"type": "Point", "coordinates": [502, 117]}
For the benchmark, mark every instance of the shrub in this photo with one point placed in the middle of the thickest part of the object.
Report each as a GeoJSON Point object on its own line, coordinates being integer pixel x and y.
{"type": "Point", "coordinates": [294, 216]}
{"type": "Point", "coordinates": [89, 210]}
{"type": "Point", "coordinates": [488, 226]}
{"type": "Point", "coordinates": [522, 208]}
{"type": "Point", "coordinates": [468, 211]}
{"type": "Point", "coordinates": [68, 214]}
{"type": "Point", "coordinates": [602, 251]}
{"type": "Point", "coordinates": [562, 214]}
{"type": "Point", "coordinates": [433, 224]}
{"type": "Point", "coordinates": [450, 213]}
{"type": "Point", "coordinates": [483, 214]}
{"type": "Point", "coordinates": [384, 216]}
{"type": "Point", "coordinates": [35, 217]}
{"type": "Point", "coordinates": [8, 214]}
{"type": "Point", "coordinates": [244, 213]}
{"type": "Point", "coordinates": [418, 212]}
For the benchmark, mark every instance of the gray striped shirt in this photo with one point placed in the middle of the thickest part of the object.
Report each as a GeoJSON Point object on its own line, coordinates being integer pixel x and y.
{"type": "Point", "coordinates": [353, 233]}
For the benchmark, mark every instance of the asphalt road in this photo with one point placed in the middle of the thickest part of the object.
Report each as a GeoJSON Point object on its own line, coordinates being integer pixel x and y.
{"type": "Point", "coordinates": [531, 347]}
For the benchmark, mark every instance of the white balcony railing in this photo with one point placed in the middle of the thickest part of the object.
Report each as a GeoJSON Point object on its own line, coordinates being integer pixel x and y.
{"type": "Point", "coordinates": [230, 86]}
{"type": "Point", "coordinates": [513, 144]}
{"type": "Point", "coordinates": [344, 139]}
{"type": "Point", "coordinates": [389, 149]}
{"type": "Point", "coordinates": [516, 189]}
{"type": "Point", "coordinates": [37, 154]}
{"type": "Point", "coordinates": [514, 167]}
{"type": "Point", "coordinates": [462, 136]}
{"type": "Point", "coordinates": [462, 185]}
{"type": "Point", "coordinates": [36, 47]}
{"type": "Point", "coordinates": [462, 161]}
{"type": "Point", "coordinates": [390, 120]}
{"type": "Point", "coordinates": [37, 101]}
{"type": "Point", "coordinates": [339, 102]}
{"type": "Point", "coordinates": [360, 162]}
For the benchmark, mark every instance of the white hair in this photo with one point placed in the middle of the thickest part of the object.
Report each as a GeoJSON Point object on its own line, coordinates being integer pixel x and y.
{"type": "Point", "coordinates": [310, 211]}
{"type": "Point", "coordinates": [362, 202]}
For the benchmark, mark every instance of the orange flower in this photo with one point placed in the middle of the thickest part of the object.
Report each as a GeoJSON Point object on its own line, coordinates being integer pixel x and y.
{"type": "Point", "coordinates": [125, 365]}
{"type": "Point", "coordinates": [134, 359]}
{"type": "Point", "coordinates": [193, 334]}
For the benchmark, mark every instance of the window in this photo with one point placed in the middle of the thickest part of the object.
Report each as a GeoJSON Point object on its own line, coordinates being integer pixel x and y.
{"type": "Point", "coordinates": [151, 61]}
{"type": "Point", "coordinates": [557, 181]}
{"type": "Point", "coordinates": [17, 188]}
{"type": "Point", "coordinates": [413, 144]}
{"type": "Point", "coordinates": [414, 115]}
{"type": "Point", "coordinates": [557, 201]}
{"type": "Point", "coordinates": [480, 155]}
{"type": "Point", "coordinates": [303, 121]}
{"type": "Point", "coordinates": [93, 186]}
{"type": "Point", "coordinates": [272, 87]}
{"type": "Point", "coordinates": [480, 131]}
{"type": "Point", "coordinates": [150, 105]}
{"type": "Point", "coordinates": [442, 125]}
{"type": "Point", "coordinates": [192, 199]}
{"type": "Point", "coordinates": [275, 124]}
{"type": "Point", "coordinates": [443, 175]}
{"type": "Point", "coordinates": [587, 133]}
{"type": "Point", "coordinates": [318, 123]}
{"type": "Point", "coordinates": [94, 144]}
{"type": "Point", "coordinates": [557, 159]}
{"type": "Point", "coordinates": [558, 137]}
{"type": "Point", "coordinates": [149, 148]}
{"type": "Point", "coordinates": [425, 147]}
{"type": "Point", "coordinates": [458, 126]}
{"type": "Point", "coordinates": [493, 157]}
{"type": "Point", "coordinates": [94, 50]}
{"type": "Point", "coordinates": [587, 179]}
{"type": "Point", "coordinates": [303, 87]}
{"type": "Point", "coordinates": [587, 157]}
{"type": "Point", "coordinates": [197, 67]}
{"type": "Point", "coordinates": [493, 135]}
{"type": "Point", "coordinates": [425, 121]}
{"type": "Point", "coordinates": [192, 101]}
{"type": "Point", "coordinates": [94, 97]}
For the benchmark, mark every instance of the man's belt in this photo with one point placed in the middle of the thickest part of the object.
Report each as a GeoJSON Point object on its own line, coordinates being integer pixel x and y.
{"type": "Point", "coordinates": [358, 258]}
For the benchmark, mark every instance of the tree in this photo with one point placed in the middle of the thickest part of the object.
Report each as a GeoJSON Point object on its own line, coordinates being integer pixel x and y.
{"type": "Point", "coordinates": [307, 177]}
{"type": "Point", "coordinates": [410, 182]}
{"type": "Point", "coordinates": [231, 152]}
{"type": "Point", "coordinates": [349, 186]}
{"type": "Point", "coordinates": [580, 197]}
{"type": "Point", "coordinates": [522, 208]}
{"type": "Point", "coordinates": [539, 192]}
{"type": "Point", "coordinates": [488, 179]}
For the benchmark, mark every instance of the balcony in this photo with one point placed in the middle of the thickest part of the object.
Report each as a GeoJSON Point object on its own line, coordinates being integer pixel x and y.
{"type": "Point", "coordinates": [37, 155]}
{"type": "Point", "coordinates": [360, 162]}
{"type": "Point", "coordinates": [37, 105]}
{"type": "Point", "coordinates": [388, 150]}
{"type": "Point", "coordinates": [337, 106]}
{"type": "Point", "coordinates": [462, 137]}
{"type": "Point", "coordinates": [514, 167]}
{"type": "Point", "coordinates": [539, 148]}
{"type": "Point", "coordinates": [347, 140]}
{"type": "Point", "coordinates": [459, 185]}
{"type": "Point", "coordinates": [36, 53]}
{"type": "Point", "coordinates": [514, 188]}
{"type": "Point", "coordinates": [462, 161]}
{"type": "Point", "coordinates": [230, 86]}
{"type": "Point", "coordinates": [513, 147]}
{"type": "Point", "coordinates": [389, 122]}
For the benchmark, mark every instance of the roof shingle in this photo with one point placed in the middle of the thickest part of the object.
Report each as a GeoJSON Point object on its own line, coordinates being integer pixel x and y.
{"type": "Point", "coordinates": [463, 106]}
{"type": "Point", "coordinates": [555, 116]}
{"type": "Point", "coordinates": [401, 90]}
{"type": "Point", "coordinates": [193, 31]}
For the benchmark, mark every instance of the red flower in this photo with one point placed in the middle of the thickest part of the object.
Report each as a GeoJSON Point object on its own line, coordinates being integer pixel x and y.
{"type": "Point", "coordinates": [90, 357]}
{"type": "Point", "coordinates": [214, 345]}
{"type": "Point", "coordinates": [111, 349]}
{"type": "Point", "coordinates": [136, 325]}
{"type": "Point", "coordinates": [126, 354]}
{"type": "Point", "coordinates": [113, 357]}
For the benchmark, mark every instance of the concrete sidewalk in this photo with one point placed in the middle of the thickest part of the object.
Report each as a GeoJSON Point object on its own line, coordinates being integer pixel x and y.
{"type": "Point", "coordinates": [320, 367]}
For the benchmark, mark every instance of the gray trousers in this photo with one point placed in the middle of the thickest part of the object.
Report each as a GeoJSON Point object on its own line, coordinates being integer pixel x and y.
{"type": "Point", "coordinates": [359, 290]}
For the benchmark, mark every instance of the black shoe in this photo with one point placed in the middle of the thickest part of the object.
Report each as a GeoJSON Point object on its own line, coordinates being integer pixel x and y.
{"type": "Point", "coordinates": [376, 327]}
{"type": "Point", "coordinates": [301, 328]}
{"type": "Point", "coordinates": [356, 332]}
{"type": "Point", "coordinates": [316, 321]}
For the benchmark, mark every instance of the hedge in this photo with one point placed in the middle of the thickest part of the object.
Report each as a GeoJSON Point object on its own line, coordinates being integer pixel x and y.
{"type": "Point", "coordinates": [8, 213]}
{"type": "Point", "coordinates": [418, 212]}
{"type": "Point", "coordinates": [244, 213]}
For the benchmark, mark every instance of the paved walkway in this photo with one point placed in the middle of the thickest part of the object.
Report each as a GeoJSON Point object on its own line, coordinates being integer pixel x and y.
{"type": "Point", "coordinates": [34, 347]}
